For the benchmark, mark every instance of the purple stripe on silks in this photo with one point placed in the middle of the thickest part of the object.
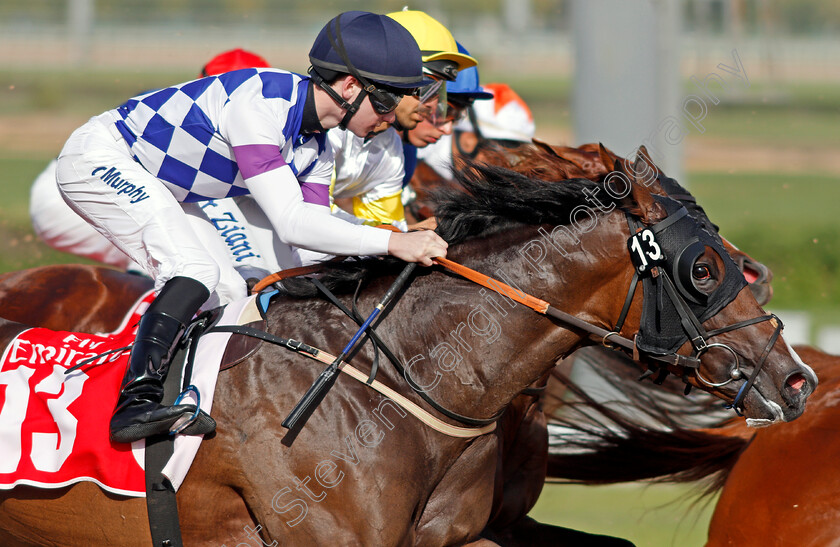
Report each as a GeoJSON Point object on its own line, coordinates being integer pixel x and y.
{"type": "Point", "coordinates": [316, 194]}
{"type": "Point", "coordinates": [255, 159]}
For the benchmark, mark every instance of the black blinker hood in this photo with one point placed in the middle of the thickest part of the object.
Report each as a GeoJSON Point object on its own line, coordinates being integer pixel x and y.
{"type": "Point", "coordinates": [682, 241]}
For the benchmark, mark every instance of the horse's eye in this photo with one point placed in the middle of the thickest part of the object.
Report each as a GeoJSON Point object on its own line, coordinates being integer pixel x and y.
{"type": "Point", "coordinates": [701, 272]}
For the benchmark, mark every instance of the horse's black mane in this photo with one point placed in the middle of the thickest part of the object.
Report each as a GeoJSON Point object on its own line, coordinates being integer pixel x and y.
{"type": "Point", "coordinates": [489, 199]}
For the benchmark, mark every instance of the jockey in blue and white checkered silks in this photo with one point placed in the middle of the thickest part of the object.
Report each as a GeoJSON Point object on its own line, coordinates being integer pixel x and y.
{"type": "Point", "coordinates": [139, 173]}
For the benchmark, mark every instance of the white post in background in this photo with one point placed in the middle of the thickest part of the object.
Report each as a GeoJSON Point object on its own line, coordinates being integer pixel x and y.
{"type": "Point", "coordinates": [627, 78]}
{"type": "Point", "coordinates": [517, 15]}
{"type": "Point", "coordinates": [79, 26]}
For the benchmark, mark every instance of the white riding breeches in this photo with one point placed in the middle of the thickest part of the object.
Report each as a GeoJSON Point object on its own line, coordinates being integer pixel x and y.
{"type": "Point", "coordinates": [57, 225]}
{"type": "Point", "coordinates": [100, 180]}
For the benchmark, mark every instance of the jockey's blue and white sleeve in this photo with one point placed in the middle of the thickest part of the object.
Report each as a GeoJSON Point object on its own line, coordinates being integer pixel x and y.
{"type": "Point", "coordinates": [239, 133]}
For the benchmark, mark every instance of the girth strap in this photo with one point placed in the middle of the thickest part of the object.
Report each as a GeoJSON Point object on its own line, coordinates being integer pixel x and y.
{"type": "Point", "coordinates": [161, 505]}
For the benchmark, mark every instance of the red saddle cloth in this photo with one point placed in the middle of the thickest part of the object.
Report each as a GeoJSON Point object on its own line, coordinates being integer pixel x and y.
{"type": "Point", "coordinates": [54, 426]}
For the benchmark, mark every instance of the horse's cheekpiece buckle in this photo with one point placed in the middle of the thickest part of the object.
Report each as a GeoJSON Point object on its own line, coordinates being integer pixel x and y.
{"type": "Point", "coordinates": [185, 421]}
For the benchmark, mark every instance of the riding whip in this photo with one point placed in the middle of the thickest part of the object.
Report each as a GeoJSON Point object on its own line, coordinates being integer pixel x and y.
{"type": "Point", "coordinates": [317, 391]}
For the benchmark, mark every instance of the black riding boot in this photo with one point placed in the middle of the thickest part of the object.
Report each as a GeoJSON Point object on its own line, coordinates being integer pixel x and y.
{"type": "Point", "coordinates": [139, 413]}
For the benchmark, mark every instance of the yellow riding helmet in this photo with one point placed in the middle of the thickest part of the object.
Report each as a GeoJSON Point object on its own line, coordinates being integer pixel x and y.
{"type": "Point", "coordinates": [435, 41]}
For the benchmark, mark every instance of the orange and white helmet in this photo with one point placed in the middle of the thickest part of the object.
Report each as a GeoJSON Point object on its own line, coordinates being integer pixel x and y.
{"type": "Point", "coordinates": [504, 117]}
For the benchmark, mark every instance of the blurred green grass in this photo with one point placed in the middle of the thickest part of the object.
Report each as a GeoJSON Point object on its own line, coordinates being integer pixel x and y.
{"type": "Point", "coordinates": [76, 92]}
{"type": "Point", "coordinates": [648, 515]}
{"type": "Point", "coordinates": [787, 221]}
{"type": "Point", "coordinates": [19, 248]}
{"type": "Point", "coordinates": [791, 114]}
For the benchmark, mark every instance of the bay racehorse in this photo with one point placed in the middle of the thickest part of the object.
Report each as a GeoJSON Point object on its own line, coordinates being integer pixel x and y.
{"type": "Point", "coordinates": [521, 473]}
{"type": "Point", "coordinates": [88, 298]}
{"type": "Point", "coordinates": [522, 435]}
{"type": "Point", "coordinates": [406, 484]}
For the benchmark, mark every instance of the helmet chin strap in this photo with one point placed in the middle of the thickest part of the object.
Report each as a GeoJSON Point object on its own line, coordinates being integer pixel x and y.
{"type": "Point", "coordinates": [338, 44]}
{"type": "Point", "coordinates": [351, 108]}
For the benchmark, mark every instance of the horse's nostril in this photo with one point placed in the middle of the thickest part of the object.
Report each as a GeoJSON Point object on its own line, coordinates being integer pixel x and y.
{"type": "Point", "coordinates": [795, 383]}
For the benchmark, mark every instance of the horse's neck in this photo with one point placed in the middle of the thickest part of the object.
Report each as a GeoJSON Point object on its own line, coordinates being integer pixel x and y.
{"type": "Point", "coordinates": [476, 349]}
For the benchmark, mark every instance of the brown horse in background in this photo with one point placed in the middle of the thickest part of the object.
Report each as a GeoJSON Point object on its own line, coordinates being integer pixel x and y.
{"type": "Point", "coordinates": [783, 488]}
{"type": "Point", "coordinates": [777, 485]}
{"type": "Point", "coordinates": [70, 297]}
{"type": "Point", "coordinates": [445, 485]}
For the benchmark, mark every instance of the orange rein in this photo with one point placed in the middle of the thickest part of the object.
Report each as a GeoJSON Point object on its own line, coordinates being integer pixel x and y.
{"type": "Point", "coordinates": [532, 302]}
{"type": "Point", "coordinates": [284, 274]}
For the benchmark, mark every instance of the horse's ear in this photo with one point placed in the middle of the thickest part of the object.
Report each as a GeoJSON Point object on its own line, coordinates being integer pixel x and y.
{"type": "Point", "coordinates": [607, 156]}
{"type": "Point", "coordinates": [566, 167]}
{"type": "Point", "coordinates": [645, 155]}
{"type": "Point", "coordinates": [647, 173]}
{"type": "Point", "coordinates": [545, 147]}
{"type": "Point", "coordinates": [590, 147]}
{"type": "Point", "coordinates": [644, 205]}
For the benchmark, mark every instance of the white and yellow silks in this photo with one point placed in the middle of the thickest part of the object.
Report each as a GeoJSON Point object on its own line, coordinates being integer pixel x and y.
{"type": "Point", "coordinates": [368, 173]}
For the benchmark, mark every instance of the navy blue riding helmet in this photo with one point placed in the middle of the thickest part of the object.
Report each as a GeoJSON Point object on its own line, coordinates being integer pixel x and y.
{"type": "Point", "coordinates": [379, 52]}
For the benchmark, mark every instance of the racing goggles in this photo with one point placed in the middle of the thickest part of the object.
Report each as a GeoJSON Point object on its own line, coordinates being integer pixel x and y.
{"type": "Point", "coordinates": [455, 112]}
{"type": "Point", "coordinates": [382, 100]}
{"type": "Point", "coordinates": [432, 101]}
